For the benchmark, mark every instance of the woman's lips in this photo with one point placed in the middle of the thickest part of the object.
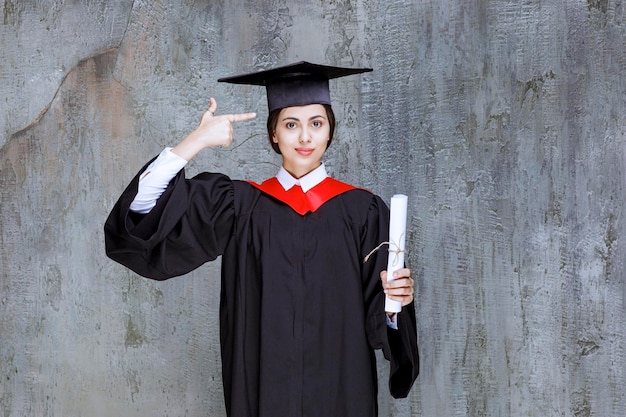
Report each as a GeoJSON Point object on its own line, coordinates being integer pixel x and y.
{"type": "Point", "coordinates": [304, 151]}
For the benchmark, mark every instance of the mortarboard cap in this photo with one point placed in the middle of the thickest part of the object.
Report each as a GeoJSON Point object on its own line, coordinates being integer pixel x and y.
{"type": "Point", "coordinates": [296, 84]}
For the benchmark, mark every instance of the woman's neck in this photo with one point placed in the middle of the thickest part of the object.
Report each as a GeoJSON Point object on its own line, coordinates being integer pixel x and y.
{"type": "Point", "coordinates": [299, 173]}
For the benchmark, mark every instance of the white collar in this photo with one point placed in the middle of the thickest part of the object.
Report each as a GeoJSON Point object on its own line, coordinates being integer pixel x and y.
{"type": "Point", "coordinates": [307, 182]}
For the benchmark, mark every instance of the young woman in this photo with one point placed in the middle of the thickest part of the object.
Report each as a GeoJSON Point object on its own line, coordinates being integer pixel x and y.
{"type": "Point", "coordinates": [301, 310]}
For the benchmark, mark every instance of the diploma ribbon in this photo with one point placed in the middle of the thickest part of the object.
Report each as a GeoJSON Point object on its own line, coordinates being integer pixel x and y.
{"type": "Point", "coordinates": [393, 248]}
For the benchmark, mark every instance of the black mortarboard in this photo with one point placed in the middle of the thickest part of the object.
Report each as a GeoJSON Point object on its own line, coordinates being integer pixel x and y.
{"type": "Point", "coordinates": [296, 84]}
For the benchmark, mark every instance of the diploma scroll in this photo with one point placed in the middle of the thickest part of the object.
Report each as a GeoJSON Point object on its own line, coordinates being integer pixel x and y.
{"type": "Point", "coordinates": [397, 238]}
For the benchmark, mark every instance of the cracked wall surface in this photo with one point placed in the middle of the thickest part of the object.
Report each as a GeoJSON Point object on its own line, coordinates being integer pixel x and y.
{"type": "Point", "coordinates": [504, 122]}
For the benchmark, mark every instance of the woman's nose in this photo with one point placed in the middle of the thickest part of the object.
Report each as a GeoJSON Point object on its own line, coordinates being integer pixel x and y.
{"type": "Point", "coordinates": [305, 136]}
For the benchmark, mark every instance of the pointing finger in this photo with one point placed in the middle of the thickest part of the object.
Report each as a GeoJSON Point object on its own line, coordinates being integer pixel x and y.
{"type": "Point", "coordinates": [241, 117]}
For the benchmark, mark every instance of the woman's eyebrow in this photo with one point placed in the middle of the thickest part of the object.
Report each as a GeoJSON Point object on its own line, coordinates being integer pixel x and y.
{"type": "Point", "coordinates": [296, 119]}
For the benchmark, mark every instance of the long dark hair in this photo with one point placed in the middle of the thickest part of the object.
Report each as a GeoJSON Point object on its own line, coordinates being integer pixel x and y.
{"type": "Point", "coordinates": [272, 121]}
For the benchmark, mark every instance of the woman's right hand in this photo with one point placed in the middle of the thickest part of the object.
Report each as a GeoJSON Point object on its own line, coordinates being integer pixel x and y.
{"type": "Point", "coordinates": [213, 131]}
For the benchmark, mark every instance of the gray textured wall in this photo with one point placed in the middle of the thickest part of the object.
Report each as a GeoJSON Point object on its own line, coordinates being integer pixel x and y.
{"type": "Point", "coordinates": [503, 120]}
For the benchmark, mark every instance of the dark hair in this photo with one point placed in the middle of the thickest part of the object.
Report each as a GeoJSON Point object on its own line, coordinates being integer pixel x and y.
{"type": "Point", "coordinates": [272, 121]}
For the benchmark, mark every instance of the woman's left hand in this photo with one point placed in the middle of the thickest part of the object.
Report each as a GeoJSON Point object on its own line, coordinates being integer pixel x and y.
{"type": "Point", "coordinates": [401, 288]}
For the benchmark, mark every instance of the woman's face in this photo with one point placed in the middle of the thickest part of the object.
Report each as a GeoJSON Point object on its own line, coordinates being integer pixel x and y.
{"type": "Point", "coordinates": [302, 134]}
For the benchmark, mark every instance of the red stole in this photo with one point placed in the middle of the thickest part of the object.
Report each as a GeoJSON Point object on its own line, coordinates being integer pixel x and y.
{"type": "Point", "coordinates": [302, 202]}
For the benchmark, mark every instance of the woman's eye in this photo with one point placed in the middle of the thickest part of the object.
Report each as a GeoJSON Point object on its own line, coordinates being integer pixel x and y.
{"type": "Point", "coordinates": [290, 125]}
{"type": "Point", "coordinates": [317, 123]}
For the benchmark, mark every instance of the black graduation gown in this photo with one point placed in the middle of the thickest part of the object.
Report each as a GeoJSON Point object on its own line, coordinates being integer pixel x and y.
{"type": "Point", "coordinates": [300, 313]}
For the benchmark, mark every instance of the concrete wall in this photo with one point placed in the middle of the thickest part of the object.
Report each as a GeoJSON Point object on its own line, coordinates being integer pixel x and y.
{"type": "Point", "coordinates": [503, 120]}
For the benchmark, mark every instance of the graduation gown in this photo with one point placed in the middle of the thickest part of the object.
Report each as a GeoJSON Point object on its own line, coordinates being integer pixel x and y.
{"type": "Point", "coordinates": [300, 312]}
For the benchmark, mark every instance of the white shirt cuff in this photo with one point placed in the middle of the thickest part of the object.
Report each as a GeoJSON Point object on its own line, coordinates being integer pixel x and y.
{"type": "Point", "coordinates": [154, 180]}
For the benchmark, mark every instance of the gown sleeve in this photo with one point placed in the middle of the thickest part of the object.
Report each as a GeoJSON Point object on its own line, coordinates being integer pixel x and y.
{"type": "Point", "coordinates": [398, 346]}
{"type": "Point", "coordinates": [190, 225]}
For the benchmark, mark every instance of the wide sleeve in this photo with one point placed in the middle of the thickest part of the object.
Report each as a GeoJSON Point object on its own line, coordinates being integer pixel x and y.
{"type": "Point", "coordinates": [190, 225]}
{"type": "Point", "coordinates": [398, 346]}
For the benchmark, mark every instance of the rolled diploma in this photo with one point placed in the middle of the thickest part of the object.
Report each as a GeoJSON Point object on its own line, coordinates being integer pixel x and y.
{"type": "Point", "coordinates": [397, 235]}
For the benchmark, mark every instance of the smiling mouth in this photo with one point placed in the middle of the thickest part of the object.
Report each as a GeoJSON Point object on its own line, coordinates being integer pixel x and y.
{"type": "Point", "coordinates": [304, 151]}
